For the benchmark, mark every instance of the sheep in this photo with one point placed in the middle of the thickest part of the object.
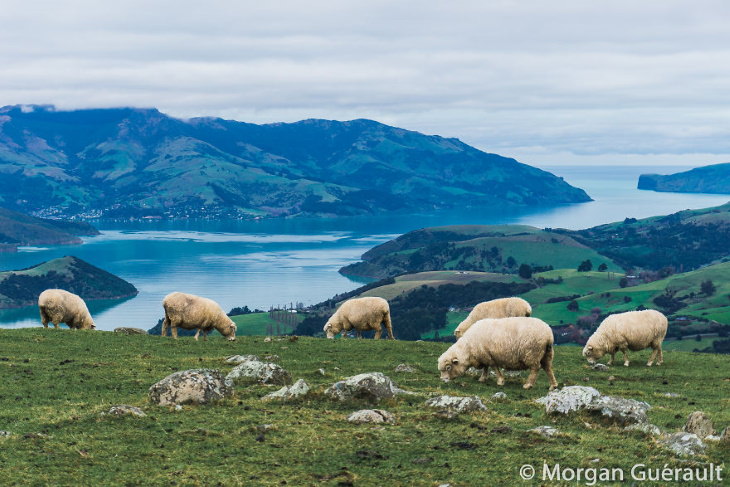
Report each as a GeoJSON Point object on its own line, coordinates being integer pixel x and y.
{"type": "Point", "coordinates": [515, 343]}
{"type": "Point", "coordinates": [632, 330]}
{"type": "Point", "coordinates": [189, 311]}
{"type": "Point", "coordinates": [362, 314]}
{"type": "Point", "coordinates": [59, 306]}
{"type": "Point", "coordinates": [496, 308]}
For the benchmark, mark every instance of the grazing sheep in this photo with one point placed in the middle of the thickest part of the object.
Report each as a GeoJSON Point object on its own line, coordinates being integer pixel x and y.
{"type": "Point", "coordinates": [633, 330]}
{"type": "Point", "coordinates": [189, 311]}
{"type": "Point", "coordinates": [516, 343]}
{"type": "Point", "coordinates": [362, 314]}
{"type": "Point", "coordinates": [496, 308]}
{"type": "Point", "coordinates": [59, 306]}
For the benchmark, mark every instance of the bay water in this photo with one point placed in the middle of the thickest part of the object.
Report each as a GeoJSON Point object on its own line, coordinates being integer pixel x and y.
{"type": "Point", "coordinates": [275, 262]}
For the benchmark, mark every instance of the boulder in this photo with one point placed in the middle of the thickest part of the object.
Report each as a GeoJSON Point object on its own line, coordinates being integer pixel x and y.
{"type": "Point", "coordinates": [620, 410]}
{"type": "Point", "coordinates": [700, 424]}
{"type": "Point", "coordinates": [457, 404]}
{"type": "Point", "coordinates": [239, 359]}
{"type": "Point", "coordinates": [568, 399]}
{"type": "Point", "coordinates": [130, 331]}
{"type": "Point", "coordinates": [371, 416]}
{"type": "Point", "coordinates": [371, 386]}
{"type": "Point", "coordinates": [546, 431]}
{"type": "Point", "coordinates": [684, 444]}
{"type": "Point", "coordinates": [122, 410]}
{"type": "Point", "coordinates": [263, 372]}
{"type": "Point", "coordinates": [299, 389]}
{"type": "Point", "coordinates": [196, 386]}
{"type": "Point", "coordinates": [404, 368]}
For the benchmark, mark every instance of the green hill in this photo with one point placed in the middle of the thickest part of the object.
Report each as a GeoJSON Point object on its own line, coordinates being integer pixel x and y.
{"type": "Point", "coordinates": [20, 229]}
{"type": "Point", "coordinates": [22, 287]}
{"type": "Point", "coordinates": [57, 383]}
{"type": "Point", "coordinates": [707, 179]}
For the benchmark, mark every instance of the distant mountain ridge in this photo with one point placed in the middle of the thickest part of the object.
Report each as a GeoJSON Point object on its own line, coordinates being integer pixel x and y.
{"type": "Point", "coordinates": [714, 179]}
{"type": "Point", "coordinates": [127, 162]}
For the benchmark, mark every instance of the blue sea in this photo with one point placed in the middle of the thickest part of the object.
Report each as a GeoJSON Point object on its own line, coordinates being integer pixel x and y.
{"type": "Point", "coordinates": [282, 261]}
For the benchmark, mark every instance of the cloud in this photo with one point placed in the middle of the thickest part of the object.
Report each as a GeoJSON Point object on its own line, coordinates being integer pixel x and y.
{"type": "Point", "coordinates": [541, 81]}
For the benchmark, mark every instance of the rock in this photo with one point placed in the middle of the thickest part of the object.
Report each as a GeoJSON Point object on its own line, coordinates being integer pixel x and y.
{"type": "Point", "coordinates": [404, 368]}
{"type": "Point", "coordinates": [267, 339]}
{"type": "Point", "coordinates": [122, 409]}
{"type": "Point", "coordinates": [130, 331]}
{"type": "Point", "coordinates": [499, 395]}
{"type": "Point", "coordinates": [5, 433]}
{"type": "Point", "coordinates": [239, 359]}
{"type": "Point", "coordinates": [263, 372]}
{"type": "Point", "coordinates": [684, 444]}
{"type": "Point", "coordinates": [371, 416]}
{"type": "Point", "coordinates": [371, 386]}
{"type": "Point", "coordinates": [611, 378]}
{"type": "Point", "coordinates": [271, 358]}
{"type": "Point", "coordinates": [647, 428]}
{"type": "Point", "coordinates": [568, 399]}
{"type": "Point", "coordinates": [671, 395]}
{"type": "Point", "coordinates": [287, 393]}
{"type": "Point", "coordinates": [712, 438]}
{"type": "Point", "coordinates": [457, 404]}
{"type": "Point", "coordinates": [725, 436]}
{"type": "Point", "coordinates": [620, 410]}
{"type": "Point", "coordinates": [321, 371]}
{"type": "Point", "coordinates": [546, 431]}
{"type": "Point", "coordinates": [601, 367]}
{"type": "Point", "coordinates": [700, 424]}
{"type": "Point", "coordinates": [196, 386]}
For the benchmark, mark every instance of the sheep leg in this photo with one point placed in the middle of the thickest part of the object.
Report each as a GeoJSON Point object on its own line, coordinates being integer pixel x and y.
{"type": "Point", "coordinates": [165, 326]}
{"type": "Point", "coordinates": [660, 359]}
{"type": "Point", "coordinates": [547, 365]}
{"type": "Point", "coordinates": [610, 361]}
{"type": "Point", "coordinates": [485, 374]}
{"type": "Point", "coordinates": [389, 326]}
{"type": "Point", "coordinates": [358, 334]}
{"type": "Point", "coordinates": [173, 327]}
{"type": "Point", "coordinates": [197, 334]}
{"type": "Point", "coordinates": [626, 358]}
{"type": "Point", "coordinates": [55, 325]}
{"type": "Point", "coordinates": [531, 378]}
{"type": "Point", "coordinates": [205, 335]}
{"type": "Point", "coordinates": [44, 319]}
{"type": "Point", "coordinates": [378, 331]}
{"type": "Point", "coordinates": [500, 376]}
{"type": "Point", "coordinates": [652, 357]}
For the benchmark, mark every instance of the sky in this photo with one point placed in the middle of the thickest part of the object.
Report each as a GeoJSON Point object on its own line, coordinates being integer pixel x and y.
{"type": "Point", "coordinates": [549, 83]}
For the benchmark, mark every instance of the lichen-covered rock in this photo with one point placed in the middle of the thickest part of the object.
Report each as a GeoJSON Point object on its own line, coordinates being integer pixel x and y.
{"type": "Point", "coordinates": [239, 359]}
{"type": "Point", "coordinates": [546, 431]}
{"type": "Point", "coordinates": [568, 399]}
{"type": "Point", "coordinates": [299, 389]}
{"type": "Point", "coordinates": [371, 416]}
{"type": "Point", "coordinates": [620, 410]}
{"type": "Point", "coordinates": [499, 395]}
{"type": "Point", "coordinates": [196, 386]}
{"type": "Point", "coordinates": [371, 386]}
{"type": "Point", "coordinates": [700, 424]}
{"type": "Point", "coordinates": [457, 404]}
{"type": "Point", "coordinates": [5, 433]}
{"type": "Point", "coordinates": [684, 444]}
{"type": "Point", "coordinates": [600, 367]}
{"type": "Point", "coordinates": [646, 428]}
{"type": "Point", "coordinates": [671, 395]}
{"type": "Point", "coordinates": [122, 409]}
{"type": "Point", "coordinates": [130, 331]}
{"type": "Point", "coordinates": [263, 372]}
{"type": "Point", "coordinates": [404, 368]}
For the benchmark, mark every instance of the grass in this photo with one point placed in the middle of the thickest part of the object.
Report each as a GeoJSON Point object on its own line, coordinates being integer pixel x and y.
{"type": "Point", "coordinates": [259, 324]}
{"type": "Point", "coordinates": [57, 382]}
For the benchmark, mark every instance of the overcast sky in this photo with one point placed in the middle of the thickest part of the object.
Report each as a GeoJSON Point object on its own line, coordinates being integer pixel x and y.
{"type": "Point", "coordinates": [547, 82]}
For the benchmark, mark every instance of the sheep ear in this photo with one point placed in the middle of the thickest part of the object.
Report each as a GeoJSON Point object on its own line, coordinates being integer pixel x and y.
{"type": "Point", "coordinates": [590, 347]}
{"type": "Point", "coordinates": [455, 361]}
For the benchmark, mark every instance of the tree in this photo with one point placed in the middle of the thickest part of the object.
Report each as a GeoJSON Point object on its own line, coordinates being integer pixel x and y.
{"type": "Point", "coordinates": [511, 262]}
{"type": "Point", "coordinates": [603, 267]}
{"type": "Point", "coordinates": [525, 271]}
{"type": "Point", "coordinates": [623, 282]}
{"type": "Point", "coordinates": [573, 305]}
{"type": "Point", "coordinates": [708, 287]}
{"type": "Point", "coordinates": [585, 266]}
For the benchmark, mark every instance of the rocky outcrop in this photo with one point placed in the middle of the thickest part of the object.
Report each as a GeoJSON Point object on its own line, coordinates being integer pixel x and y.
{"type": "Point", "coordinates": [196, 386]}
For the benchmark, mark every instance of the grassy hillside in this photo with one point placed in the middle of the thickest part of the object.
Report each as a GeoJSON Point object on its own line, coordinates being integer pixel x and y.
{"type": "Point", "coordinates": [22, 287]}
{"type": "Point", "coordinates": [20, 229]}
{"type": "Point", "coordinates": [58, 382]}
{"type": "Point", "coordinates": [707, 179]}
{"type": "Point", "coordinates": [259, 324]}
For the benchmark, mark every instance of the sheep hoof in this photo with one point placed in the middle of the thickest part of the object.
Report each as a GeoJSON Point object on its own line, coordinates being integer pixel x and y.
{"type": "Point", "coordinates": [527, 386]}
{"type": "Point", "coordinates": [626, 364]}
{"type": "Point", "coordinates": [649, 364]}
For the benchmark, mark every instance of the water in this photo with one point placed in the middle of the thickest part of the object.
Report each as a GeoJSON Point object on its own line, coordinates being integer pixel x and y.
{"type": "Point", "coordinates": [273, 262]}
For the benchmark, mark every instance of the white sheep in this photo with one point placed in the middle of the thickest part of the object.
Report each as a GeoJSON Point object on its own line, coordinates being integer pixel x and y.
{"type": "Point", "coordinates": [189, 311]}
{"type": "Point", "coordinates": [632, 330]}
{"type": "Point", "coordinates": [496, 308]}
{"type": "Point", "coordinates": [59, 306]}
{"type": "Point", "coordinates": [516, 343]}
{"type": "Point", "coordinates": [360, 314]}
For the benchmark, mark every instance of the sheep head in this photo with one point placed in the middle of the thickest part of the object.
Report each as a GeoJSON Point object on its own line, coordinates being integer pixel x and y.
{"type": "Point", "coordinates": [450, 366]}
{"type": "Point", "coordinates": [332, 328]}
{"type": "Point", "coordinates": [592, 352]}
{"type": "Point", "coordinates": [229, 331]}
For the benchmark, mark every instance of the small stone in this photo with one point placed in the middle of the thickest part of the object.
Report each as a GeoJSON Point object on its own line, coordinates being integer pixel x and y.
{"type": "Point", "coordinates": [263, 372]}
{"type": "Point", "coordinates": [178, 408]}
{"type": "Point", "coordinates": [239, 359]}
{"type": "Point", "coordinates": [725, 436]}
{"type": "Point", "coordinates": [271, 358]}
{"type": "Point", "coordinates": [700, 424]}
{"type": "Point", "coordinates": [267, 339]}
{"type": "Point", "coordinates": [600, 367]}
{"type": "Point", "coordinates": [122, 409]}
{"type": "Point", "coordinates": [5, 433]}
{"type": "Point", "coordinates": [196, 386]}
{"type": "Point", "coordinates": [546, 431]}
{"type": "Point", "coordinates": [684, 444]}
{"type": "Point", "coordinates": [499, 395]}
{"type": "Point", "coordinates": [646, 428]}
{"type": "Point", "coordinates": [671, 395]}
{"type": "Point", "coordinates": [130, 331]}
{"type": "Point", "coordinates": [321, 372]}
{"type": "Point", "coordinates": [586, 379]}
{"type": "Point", "coordinates": [405, 368]}
{"type": "Point", "coordinates": [611, 378]}
{"type": "Point", "coordinates": [372, 387]}
{"type": "Point", "coordinates": [712, 438]}
{"type": "Point", "coordinates": [287, 393]}
{"type": "Point", "coordinates": [458, 404]}
{"type": "Point", "coordinates": [371, 416]}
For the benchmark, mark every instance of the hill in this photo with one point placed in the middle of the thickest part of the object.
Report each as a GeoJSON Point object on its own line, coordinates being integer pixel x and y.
{"type": "Point", "coordinates": [57, 384]}
{"type": "Point", "coordinates": [130, 162]}
{"type": "Point", "coordinates": [18, 229]}
{"type": "Point", "coordinates": [707, 179]}
{"type": "Point", "coordinates": [486, 248]}
{"type": "Point", "coordinates": [22, 287]}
